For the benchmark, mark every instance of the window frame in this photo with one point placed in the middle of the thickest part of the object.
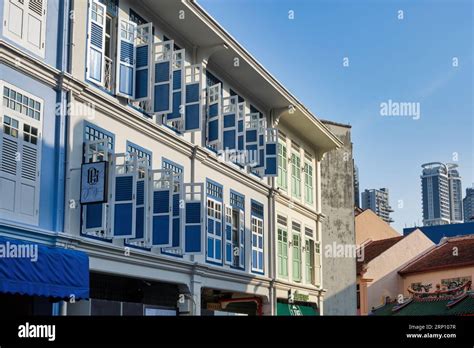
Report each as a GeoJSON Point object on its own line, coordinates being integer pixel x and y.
{"type": "Point", "coordinates": [295, 175]}
{"type": "Point", "coordinates": [282, 179]}
{"type": "Point", "coordinates": [21, 119]}
{"type": "Point", "coordinates": [308, 173]}
{"type": "Point", "coordinates": [214, 195]}
{"type": "Point", "coordinates": [257, 231]}
{"type": "Point", "coordinates": [23, 40]}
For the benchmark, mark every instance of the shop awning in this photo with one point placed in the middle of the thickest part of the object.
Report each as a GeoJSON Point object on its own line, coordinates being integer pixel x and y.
{"type": "Point", "coordinates": [295, 310]}
{"type": "Point", "coordinates": [38, 270]}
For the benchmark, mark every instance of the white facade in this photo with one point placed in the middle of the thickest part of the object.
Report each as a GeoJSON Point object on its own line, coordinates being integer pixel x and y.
{"type": "Point", "coordinates": [107, 114]}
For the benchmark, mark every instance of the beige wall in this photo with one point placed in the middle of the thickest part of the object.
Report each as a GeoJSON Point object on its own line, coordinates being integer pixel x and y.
{"type": "Point", "coordinates": [435, 277]}
{"type": "Point", "coordinates": [369, 226]}
{"type": "Point", "coordinates": [383, 270]}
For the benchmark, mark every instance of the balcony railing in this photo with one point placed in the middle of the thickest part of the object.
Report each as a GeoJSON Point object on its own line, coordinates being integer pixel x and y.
{"type": "Point", "coordinates": [108, 74]}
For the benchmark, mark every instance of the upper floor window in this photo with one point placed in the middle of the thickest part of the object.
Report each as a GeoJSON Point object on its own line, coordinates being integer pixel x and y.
{"type": "Point", "coordinates": [282, 180]}
{"type": "Point", "coordinates": [308, 182]}
{"type": "Point", "coordinates": [143, 155]}
{"type": "Point", "coordinates": [237, 200]}
{"type": "Point", "coordinates": [21, 103]}
{"type": "Point", "coordinates": [295, 175]}
{"type": "Point", "coordinates": [256, 212]}
{"type": "Point", "coordinates": [20, 154]}
{"type": "Point", "coordinates": [25, 23]}
{"type": "Point", "coordinates": [92, 133]}
{"type": "Point", "coordinates": [214, 221]}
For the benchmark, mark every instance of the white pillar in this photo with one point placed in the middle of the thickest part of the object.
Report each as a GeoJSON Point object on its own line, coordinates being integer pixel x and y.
{"type": "Point", "coordinates": [196, 295]}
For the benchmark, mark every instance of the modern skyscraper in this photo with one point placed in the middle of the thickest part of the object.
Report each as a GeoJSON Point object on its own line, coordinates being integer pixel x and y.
{"type": "Point", "coordinates": [378, 202]}
{"type": "Point", "coordinates": [468, 204]}
{"type": "Point", "coordinates": [455, 194]}
{"type": "Point", "coordinates": [441, 194]}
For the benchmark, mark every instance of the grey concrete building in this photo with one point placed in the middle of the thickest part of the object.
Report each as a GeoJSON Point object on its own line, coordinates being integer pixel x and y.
{"type": "Point", "coordinates": [468, 204]}
{"type": "Point", "coordinates": [337, 190]}
{"type": "Point", "coordinates": [356, 187]}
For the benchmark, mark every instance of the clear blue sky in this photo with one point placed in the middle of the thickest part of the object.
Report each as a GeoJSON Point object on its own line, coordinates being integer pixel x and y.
{"type": "Point", "coordinates": [409, 60]}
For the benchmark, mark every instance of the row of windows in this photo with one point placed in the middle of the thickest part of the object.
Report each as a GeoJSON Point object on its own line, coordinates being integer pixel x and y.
{"type": "Point", "coordinates": [214, 190]}
{"type": "Point", "coordinates": [21, 103]}
{"type": "Point", "coordinates": [237, 200]}
{"type": "Point", "coordinates": [226, 237]}
{"type": "Point", "coordinates": [297, 170]}
{"type": "Point", "coordinates": [304, 251]}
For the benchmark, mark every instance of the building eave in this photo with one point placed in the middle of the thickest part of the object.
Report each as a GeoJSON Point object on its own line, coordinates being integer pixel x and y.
{"type": "Point", "coordinates": [284, 106]}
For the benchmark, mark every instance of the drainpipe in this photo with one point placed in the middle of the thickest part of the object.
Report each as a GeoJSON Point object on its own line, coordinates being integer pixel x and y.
{"type": "Point", "coordinates": [193, 288]}
{"type": "Point", "coordinates": [271, 235]}
{"type": "Point", "coordinates": [64, 64]}
{"type": "Point", "coordinates": [319, 229]}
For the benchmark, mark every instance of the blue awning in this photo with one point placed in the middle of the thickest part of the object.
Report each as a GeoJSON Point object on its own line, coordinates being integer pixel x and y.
{"type": "Point", "coordinates": [38, 270]}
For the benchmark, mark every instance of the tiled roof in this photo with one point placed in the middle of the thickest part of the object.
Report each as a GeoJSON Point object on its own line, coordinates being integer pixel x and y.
{"type": "Point", "coordinates": [374, 248]}
{"type": "Point", "coordinates": [444, 256]}
{"type": "Point", "coordinates": [429, 307]}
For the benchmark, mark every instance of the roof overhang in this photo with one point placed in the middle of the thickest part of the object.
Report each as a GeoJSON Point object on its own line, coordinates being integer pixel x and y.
{"type": "Point", "coordinates": [219, 49]}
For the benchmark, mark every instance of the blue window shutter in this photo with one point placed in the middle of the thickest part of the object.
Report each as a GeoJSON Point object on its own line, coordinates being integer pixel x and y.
{"type": "Point", "coordinates": [228, 250]}
{"type": "Point", "coordinates": [94, 215]}
{"type": "Point", "coordinates": [251, 138]}
{"type": "Point", "coordinates": [177, 214]}
{"type": "Point", "coordinates": [214, 110]}
{"type": "Point", "coordinates": [123, 199]}
{"type": "Point", "coordinates": [194, 216]}
{"type": "Point", "coordinates": [241, 126]}
{"type": "Point", "coordinates": [177, 106]}
{"type": "Point", "coordinates": [125, 79]}
{"type": "Point", "coordinates": [193, 101]}
{"type": "Point", "coordinates": [162, 208]}
{"type": "Point", "coordinates": [214, 230]}
{"type": "Point", "coordinates": [162, 77]}
{"type": "Point", "coordinates": [271, 143]}
{"type": "Point", "coordinates": [96, 43]}
{"type": "Point", "coordinates": [229, 123]}
{"type": "Point", "coordinates": [142, 203]}
{"type": "Point", "coordinates": [242, 238]}
{"type": "Point", "coordinates": [261, 144]}
{"type": "Point", "coordinates": [140, 220]}
{"type": "Point", "coordinates": [143, 55]}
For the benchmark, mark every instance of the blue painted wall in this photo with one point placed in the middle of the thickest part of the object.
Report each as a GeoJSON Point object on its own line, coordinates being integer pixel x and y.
{"type": "Point", "coordinates": [48, 176]}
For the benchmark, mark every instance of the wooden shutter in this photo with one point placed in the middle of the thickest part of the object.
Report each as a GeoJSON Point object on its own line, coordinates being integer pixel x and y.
{"type": "Point", "coordinates": [162, 207]}
{"type": "Point", "coordinates": [163, 77]}
{"type": "Point", "coordinates": [96, 43]}
{"type": "Point", "coordinates": [193, 100]}
{"type": "Point", "coordinates": [214, 110]}
{"type": "Point", "coordinates": [143, 54]}
{"type": "Point", "coordinates": [125, 78]}
{"type": "Point", "coordinates": [229, 123]}
{"type": "Point", "coordinates": [124, 196]}
{"type": "Point", "coordinates": [194, 224]}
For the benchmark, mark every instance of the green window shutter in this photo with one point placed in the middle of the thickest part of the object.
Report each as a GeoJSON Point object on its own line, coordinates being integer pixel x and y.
{"type": "Point", "coordinates": [296, 258]}
{"type": "Point", "coordinates": [282, 167]}
{"type": "Point", "coordinates": [308, 183]}
{"type": "Point", "coordinates": [309, 261]}
{"type": "Point", "coordinates": [296, 176]}
{"type": "Point", "coordinates": [282, 252]}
